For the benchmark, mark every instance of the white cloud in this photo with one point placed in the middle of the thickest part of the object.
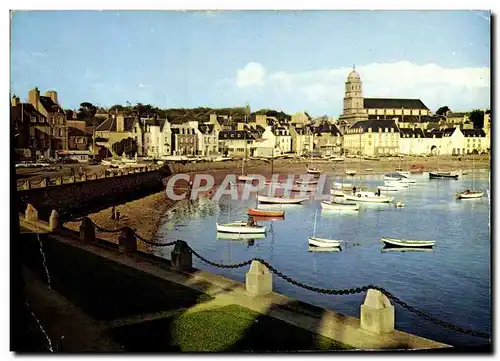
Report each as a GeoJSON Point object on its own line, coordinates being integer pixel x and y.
{"type": "Point", "coordinates": [251, 74]}
{"type": "Point", "coordinates": [142, 85]}
{"type": "Point", "coordinates": [459, 88]}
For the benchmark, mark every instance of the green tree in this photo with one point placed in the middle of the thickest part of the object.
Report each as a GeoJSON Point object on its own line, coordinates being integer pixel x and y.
{"type": "Point", "coordinates": [127, 146]}
{"type": "Point", "coordinates": [442, 110]}
{"type": "Point", "coordinates": [87, 112]}
{"type": "Point", "coordinates": [477, 118]}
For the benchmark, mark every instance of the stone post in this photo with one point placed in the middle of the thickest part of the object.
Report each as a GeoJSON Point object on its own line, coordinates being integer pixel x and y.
{"type": "Point", "coordinates": [84, 177]}
{"type": "Point", "coordinates": [87, 231]}
{"type": "Point", "coordinates": [377, 313]}
{"type": "Point", "coordinates": [27, 185]}
{"type": "Point", "coordinates": [31, 214]}
{"type": "Point", "coordinates": [127, 241]}
{"type": "Point", "coordinates": [259, 281]}
{"type": "Point", "coordinates": [181, 257]}
{"type": "Point", "coordinates": [72, 179]}
{"type": "Point", "coordinates": [45, 182]}
{"type": "Point", "coordinates": [54, 220]}
{"type": "Point", "coordinates": [59, 180]}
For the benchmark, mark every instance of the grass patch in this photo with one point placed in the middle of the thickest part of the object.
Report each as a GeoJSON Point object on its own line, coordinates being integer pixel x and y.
{"type": "Point", "coordinates": [227, 329]}
{"type": "Point", "coordinates": [102, 288]}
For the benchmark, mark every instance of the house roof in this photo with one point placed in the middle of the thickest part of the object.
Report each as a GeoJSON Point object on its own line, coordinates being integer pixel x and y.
{"type": "Point", "coordinates": [28, 110]}
{"type": "Point", "coordinates": [409, 132]}
{"type": "Point", "coordinates": [473, 132]}
{"type": "Point", "coordinates": [50, 106]}
{"type": "Point", "coordinates": [456, 115]}
{"type": "Point", "coordinates": [206, 128]}
{"type": "Point", "coordinates": [375, 125]}
{"type": "Point", "coordinates": [236, 134]}
{"type": "Point", "coordinates": [110, 125]}
{"type": "Point", "coordinates": [75, 132]}
{"type": "Point", "coordinates": [393, 103]}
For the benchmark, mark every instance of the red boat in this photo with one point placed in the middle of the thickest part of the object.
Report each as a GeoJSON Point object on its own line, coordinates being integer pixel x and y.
{"type": "Point", "coordinates": [264, 213]}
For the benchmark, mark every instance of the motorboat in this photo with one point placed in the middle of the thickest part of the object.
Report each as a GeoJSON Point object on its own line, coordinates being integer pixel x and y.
{"type": "Point", "coordinates": [388, 188]}
{"type": "Point", "coordinates": [398, 242]}
{"type": "Point", "coordinates": [393, 177]}
{"type": "Point", "coordinates": [369, 197]}
{"type": "Point", "coordinates": [240, 227]}
{"type": "Point", "coordinates": [239, 236]}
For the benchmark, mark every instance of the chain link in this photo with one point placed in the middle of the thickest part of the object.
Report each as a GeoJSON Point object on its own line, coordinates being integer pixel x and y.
{"type": "Point", "coordinates": [107, 230]}
{"type": "Point", "coordinates": [236, 265]}
{"type": "Point", "coordinates": [153, 243]}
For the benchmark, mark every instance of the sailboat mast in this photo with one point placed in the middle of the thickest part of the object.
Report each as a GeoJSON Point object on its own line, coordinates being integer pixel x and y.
{"type": "Point", "coordinates": [314, 227]}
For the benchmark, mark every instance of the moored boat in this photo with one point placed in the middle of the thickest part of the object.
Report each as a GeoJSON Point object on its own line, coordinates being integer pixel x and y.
{"type": "Point", "coordinates": [306, 181]}
{"type": "Point", "coordinates": [239, 227]}
{"type": "Point", "coordinates": [388, 188]}
{"type": "Point", "coordinates": [339, 206]}
{"type": "Point", "coordinates": [370, 197]}
{"type": "Point", "coordinates": [240, 236]}
{"type": "Point", "coordinates": [338, 185]}
{"type": "Point", "coordinates": [303, 188]}
{"type": "Point", "coordinates": [470, 194]}
{"type": "Point", "coordinates": [396, 184]}
{"type": "Point", "coordinates": [323, 249]}
{"type": "Point", "coordinates": [313, 171]}
{"type": "Point", "coordinates": [244, 178]}
{"type": "Point", "coordinates": [324, 242]}
{"type": "Point", "coordinates": [280, 200]}
{"type": "Point", "coordinates": [397, 242]}
{"type": "Point", "coordinates": [393, 177]}
{"type": "Point", "coordinates": [265, 213]}
{"type": "Point", "coordinates": [443, 175]}
{"type": "Point", "coordinates": [351, 172]}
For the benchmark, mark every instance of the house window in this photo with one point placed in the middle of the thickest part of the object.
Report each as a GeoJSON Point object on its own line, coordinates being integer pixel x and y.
{"type": "Point", "coordinates": [385, 130]}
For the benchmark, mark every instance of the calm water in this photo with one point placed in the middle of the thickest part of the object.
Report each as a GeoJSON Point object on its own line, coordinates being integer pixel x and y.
{"type": "Point", "coordinates": [451, 282]}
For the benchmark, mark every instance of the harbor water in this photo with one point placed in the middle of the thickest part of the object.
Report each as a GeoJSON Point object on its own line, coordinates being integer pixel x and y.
{"type": "Point", "coordinates": [450, 282]}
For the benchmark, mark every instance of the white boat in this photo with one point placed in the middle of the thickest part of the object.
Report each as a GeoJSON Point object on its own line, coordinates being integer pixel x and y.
{"type": "Point", "coordinates": [240, 236]}
{"type": "Point", "coordinates": [239, 227]}
{"type": "Point", "coordinates": [397, 242]}
{"type": "Point", "coordinates": [407, 180]}
{"type": "Point", "coordinates": [306, 181]}
{"type": "Point", "coordinates": [351, 172]}
{"type": "Point", "coordinates": [369, 197]}
{"type": "Point", "coordinates": [388, 188]}
{"type": "Point", "coordinates": [321, 242]}
{"type": "Point", "coordinates": [337, 159]}
{"type": "Point", "coordinates": [404, 173]}
{"type": "Point", "coordinates": [470, 194]}
{"type": "Point", "coordinates": [393, 177]}
{"type": "Point", "coordinates": [313, 171]}
{"type": "Point", "coordinates": [280, 200]}
{"type": "Point", "coordinates": [342, 207]}
{"type": "Point", "coordinates": [324, 242]}
{"type": "Point", "coordinates": [396, 184]}
{"type": "Point", "coordinates": [405, 249]}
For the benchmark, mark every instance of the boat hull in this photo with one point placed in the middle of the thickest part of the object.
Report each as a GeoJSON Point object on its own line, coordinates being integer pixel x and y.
{"type": "Point", "coordinates": [388, 188]}
{"type": "Point", "coordinates": [265, 213]}
{"type": "Point", "coordinates": [348, 207]}
{"type": "Point", "coordinates": [471, 195]}
{"type": "Point", "coordinates": [435, 175]}
{"type": "Point", "coordinates": [313, 171]}
{"type": "Point", "coordinates": [240, 236]}
{"type": "Point", "coordinates": [394, 242]}
{"type": "Point", "coordinates": [279, 200]}
{"type": "Point", "coordinates": [239, 228]}
{"type": "Point", "coordinates": [368, 197]}
{"type": "Point", "coordinates": [323, 242]}
{"type": "Point", "coordinates": [244, 178]}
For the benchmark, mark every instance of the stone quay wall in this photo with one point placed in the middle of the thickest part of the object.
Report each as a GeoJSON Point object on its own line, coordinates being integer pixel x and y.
{"type": "Point", "coordinates": [92, 192]}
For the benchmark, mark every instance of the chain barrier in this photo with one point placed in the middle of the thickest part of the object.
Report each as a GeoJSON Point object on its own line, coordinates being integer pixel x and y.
{"type": "Point", "coordinates": [153, 243]}
{"type": "Point", "coordinates": [107, 230]}
{"type": "Point", "coordinates": [237, 265]}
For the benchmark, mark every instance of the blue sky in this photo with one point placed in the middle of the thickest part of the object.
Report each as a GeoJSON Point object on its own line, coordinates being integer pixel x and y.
{"type": "Point", "coordinates": [288, 60]}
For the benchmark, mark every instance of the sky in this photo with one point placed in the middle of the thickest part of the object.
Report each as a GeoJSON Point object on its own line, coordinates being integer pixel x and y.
{"type": "Point", "coordinates": [284, 60]}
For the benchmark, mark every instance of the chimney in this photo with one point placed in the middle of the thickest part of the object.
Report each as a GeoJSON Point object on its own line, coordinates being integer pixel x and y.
{"type": "Point", "coordinates": [52, 94]}
{"type": "Point", "coordinates": [34, 98]}
{"type": "Point", "coordinates": [15, 101]}
{"type": "Point", "coordinates": [120, 120]}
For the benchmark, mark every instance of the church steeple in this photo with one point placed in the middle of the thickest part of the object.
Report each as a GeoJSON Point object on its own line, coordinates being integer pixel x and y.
{"type": "Point", "coordinates": [353, 98]}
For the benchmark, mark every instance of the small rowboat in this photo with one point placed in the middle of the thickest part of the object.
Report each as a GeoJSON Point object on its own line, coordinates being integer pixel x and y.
{"type": "Point", "coordinates": [343, 207]}
{"type": "Point", "coordinates": [443, 175]}
{"type": "Point", "coordinates": [324, 242]}
{"type": "Point", "coordinates": [240, 236]}
{"type": "Point", "coordinates": [280, 200]}
{"type": "Point", "coordinates": [306, 181]}
{"type": "Point", "coordinates": [239, 227]}
{"type": "Point", "coordinates": [468, 194]}
{"type": "Point", "coordinates": [265, 213]}
{"type": "Point", "coordinates": [369, 197]}
{"type": "Point", "coordinates": [396, 242]}
{"type": "Point", "coordinates": [351, 172]}
{"type": "Point", "coordinates": [313, 171]}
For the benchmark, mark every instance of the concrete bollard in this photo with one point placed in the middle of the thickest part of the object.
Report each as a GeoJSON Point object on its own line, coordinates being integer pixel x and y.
{"type": "Point", "coordinates": [54, 220]}
{"type": "Point", "coordinates": [31, 214]}
{"type": "Point", "coordinates": [87, 231]}
{"type": "Point", "coordinates": [84, 177]}
{"type": "Point", "coordinates": [59, 181]}
{"type": "Point", "coordinates": [181, 257]}
{"type": "Point", "coordinates": [72, 179]}
{"type": "Point", "coordinates": [259, 281]}
{"type": "Point", "coordinates": [377, 313]}
{"type": "Point", "coordinates": [127, 241]}
{"type": "Point", "coordinates": [27, 185]}
{"type": "Point", "coordinates": [45, 182]}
